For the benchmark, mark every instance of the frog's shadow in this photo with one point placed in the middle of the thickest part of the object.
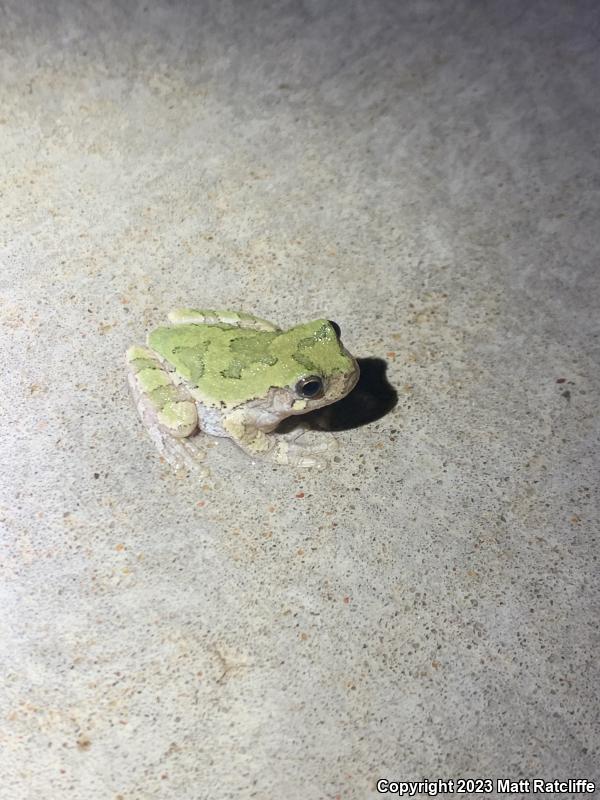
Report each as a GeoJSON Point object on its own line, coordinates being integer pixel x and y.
{"type": "Point", "coordinates": [372, 398]}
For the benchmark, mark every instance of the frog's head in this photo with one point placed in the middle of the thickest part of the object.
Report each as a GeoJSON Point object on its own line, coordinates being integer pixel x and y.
{"type": "Point", "coordinates": [319, 368]}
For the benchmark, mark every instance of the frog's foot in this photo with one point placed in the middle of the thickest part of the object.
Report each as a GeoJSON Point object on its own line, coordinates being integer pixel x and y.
{"type": "Point", "coordinates": [298, 447]}
{"type": "Point", "coordinates": [183, 455]}
{"type": "Point", "coordinates": [199, 316]}
{"type": "Point", "coordinates": [295, 448]}
{"type": "Point", "coordinates": [304, 448]}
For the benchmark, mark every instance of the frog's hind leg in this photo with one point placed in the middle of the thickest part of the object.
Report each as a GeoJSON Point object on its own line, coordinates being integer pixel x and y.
{"type": "Point", "coordinates": [198, 316]}
{"type": "Point", "coordinates": [166, 409]}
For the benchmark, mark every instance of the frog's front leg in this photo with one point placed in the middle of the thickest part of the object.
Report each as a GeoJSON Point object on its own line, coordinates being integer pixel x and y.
{"type": "Point", "coordinates": [198, 316]}
{"type": "Point", "coordinates": [166, 409]}
{"type": "Point", "coordinates": [281, 448]}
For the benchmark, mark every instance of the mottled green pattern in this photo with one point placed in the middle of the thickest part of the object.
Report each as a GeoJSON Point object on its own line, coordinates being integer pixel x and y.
{"type": "Point", "coordinates": [255, 347]}
{"type": "Point", "coordinates": [185, 347]}
{"type": "Point", "coordinates": [152, 381]}
{"type": "Point", "coordinates": [231, 365]}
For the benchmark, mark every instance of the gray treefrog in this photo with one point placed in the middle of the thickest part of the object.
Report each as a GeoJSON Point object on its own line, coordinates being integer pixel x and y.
{"type": "Point", "coordinates": [231, 374]}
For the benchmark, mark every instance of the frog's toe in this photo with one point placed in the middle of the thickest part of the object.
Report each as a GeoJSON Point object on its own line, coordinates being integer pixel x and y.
{"type": "Point", "coordinates": [184, 455]}
{"type": "Point", "coordinates": [311, 462]}
{"type": "Point", "coordinates": [305, 450]}
{"type": "Point", "coordinates": [311, 441]}
{"type": "Point", "coordinates": [301, 458]}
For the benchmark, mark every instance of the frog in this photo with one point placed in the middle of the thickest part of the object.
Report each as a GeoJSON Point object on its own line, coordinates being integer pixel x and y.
{"type": "Point", "coordinates": [234, 375]}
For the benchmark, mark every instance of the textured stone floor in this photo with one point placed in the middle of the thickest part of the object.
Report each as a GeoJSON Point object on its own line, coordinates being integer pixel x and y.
{"type": "Point", "coordinates": [425, 173]}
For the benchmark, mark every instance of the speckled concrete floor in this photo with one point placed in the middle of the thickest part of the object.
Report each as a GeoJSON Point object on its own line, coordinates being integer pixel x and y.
{"type": "Point", "coordinates": [426, 173]}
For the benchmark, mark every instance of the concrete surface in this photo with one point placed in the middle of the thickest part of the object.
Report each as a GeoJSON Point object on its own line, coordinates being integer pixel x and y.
{"type": "Point", "coordinates": [426, 173]}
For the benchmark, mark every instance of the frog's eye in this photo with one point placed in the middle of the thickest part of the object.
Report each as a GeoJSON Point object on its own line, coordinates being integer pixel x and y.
{"type": "Point", "coordinates": [335, 327]}
{"type": "Point", "coordinates": [310, 387]}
